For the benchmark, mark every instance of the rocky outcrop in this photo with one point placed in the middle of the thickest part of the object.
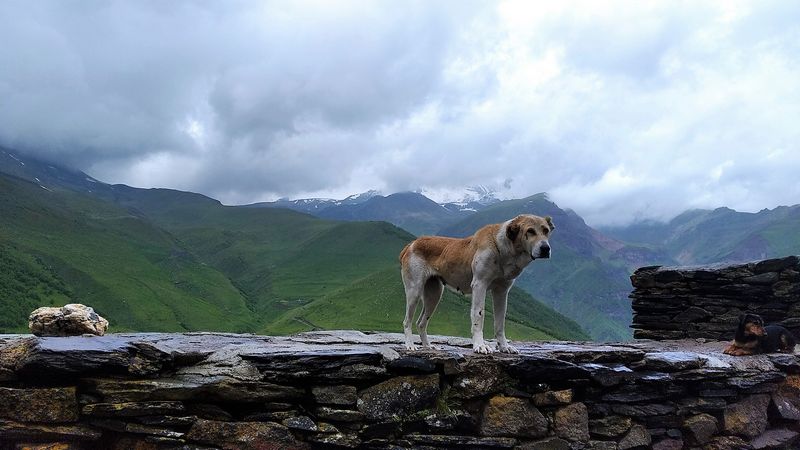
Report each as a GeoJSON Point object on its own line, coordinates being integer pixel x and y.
{"type": "Point", "coordinates": [353, 390]}
{"type": "Point", "coordinates": [705, 302]}
{"type": "Point", "coordinates": [69, 320]}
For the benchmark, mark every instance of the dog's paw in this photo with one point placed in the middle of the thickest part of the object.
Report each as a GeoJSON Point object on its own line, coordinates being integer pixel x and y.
{"type": "Point", "coordinates": [430, 347]}
{"type": "Point", "coordinates": [482, 348]}
{"type": "Point", "coordinates": [506, 348]}
{"type": "Point", "coordinates": [411, 347]}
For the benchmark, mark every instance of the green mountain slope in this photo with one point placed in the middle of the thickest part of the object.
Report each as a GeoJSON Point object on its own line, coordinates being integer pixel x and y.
{"type": "Point", "coordinates": [97, 253]}
{"type": "Point", "coordinates": [26, 283]}
{"type": "Point", "coordinates": [307, 273]}
{"type": "Point", "coordinates": [164, 260]}
{"type": "Point", "coordinates": [585, 279]}
{"type": "Point", "coordinates": [379, 292]}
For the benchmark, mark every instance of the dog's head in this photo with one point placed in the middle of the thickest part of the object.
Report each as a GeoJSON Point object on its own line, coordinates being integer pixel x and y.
{"type": "Point", "coordinates": [751, 325]}
{"type": "Point", "coordinates": [531, 233]}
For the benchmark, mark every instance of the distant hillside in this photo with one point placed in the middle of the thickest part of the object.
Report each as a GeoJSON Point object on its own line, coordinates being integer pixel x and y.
{"type": "Point", "coordinates": [408, 210]}
{"type": "Point", "coordinates": [314, 205]}
{"type": "Point", "coordinates": [165, 260]}
{"type": "Point", "coordinates": [720, 235]}
{"type": "Point", "coordinates": [411, 211]}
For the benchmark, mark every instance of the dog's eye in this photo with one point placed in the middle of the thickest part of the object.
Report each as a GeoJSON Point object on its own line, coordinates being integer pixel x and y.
{"type": "Point", "coordinates": [531, 231]}
{"type": "Point", "coordinates": [545, 231]}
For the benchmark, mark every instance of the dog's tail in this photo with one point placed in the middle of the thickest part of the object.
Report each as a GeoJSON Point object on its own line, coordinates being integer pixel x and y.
{"type": "Point", "coordinates": [404, 252]}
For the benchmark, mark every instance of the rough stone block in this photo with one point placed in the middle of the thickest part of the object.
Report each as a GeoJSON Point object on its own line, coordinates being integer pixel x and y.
{"type": "Point", "coordinates": [762, 278]}
{"type": "Point", "coordinates": [644, 410]}
{"type": "Point", "coordinates": [601, 445]}
{"type": "Point", "coordinates": [668, 444]}
{"type": "Point", "coordinates": [47, 405]}
{"type": "Point", "coordinates": [700, 428]}
{"type": "Point", "coordinates": [727, 443]}
{"type": "Point", "coordinates": [512, 416]}
{"type": "Point", "coordinates": [448, 441]}
{"type": "Point", "coordinates": [786, 406]}
{"type": "Point", "coordinates": [672, 361]}
{"type": "Point", "coordinates": [301, 423]}
{"type": "Point", "coordinates": [747, 417]}
{"type": "Point", "coordinates": [775, 439]}
{"type": "Point", "coordinates": [50, 446]}
{"type": "Point", "coordinates": [692, 314]}
{"type": "Point", "coordinates": [339, 415]}
{"type": "Point", "coordinates": [243, 435]}
{"type": "Point", "coordinates": [17, 431]}
{"type": "Point", "coordinates": [634, 393]}
{"type": "Point", "coordinates": [334, 440]}
{"type": "Point", "coordinates": [551, 443]}
{"type": "Point", "coordinates": [572, 422]}
{"type": "Point", "coordinates": [479, 379]}
{"type": "Point", "coordinates": [450, 420]}
{"type": "Point", "coordinates": [133, 409]}
{"type": "Point", "coordinates": [610, 426]}
{"type": "Point", "coordinates": [553, 398]}
{"type": "Point", "coordinates": [775, 265]}
{"type": "Point", "coordinates": [399, 395]}
{"type": "Point", "coordinates": [637, 437]}
{"type": "Point", "coordinates": [335, 395]}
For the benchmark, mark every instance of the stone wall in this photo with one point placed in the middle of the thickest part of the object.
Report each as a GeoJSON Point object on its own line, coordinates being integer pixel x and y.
{"type": "Point", "coordinates": [705, 302]}
{"type": "Point", "coordinates": [354, 390]}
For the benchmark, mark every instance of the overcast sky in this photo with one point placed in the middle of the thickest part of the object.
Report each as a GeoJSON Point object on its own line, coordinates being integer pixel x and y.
{"type": "Point", "coordinates": [620, 110]}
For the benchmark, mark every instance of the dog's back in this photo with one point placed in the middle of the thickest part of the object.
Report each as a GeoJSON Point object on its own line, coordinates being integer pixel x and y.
{"type": "Point", "coordinates": [778, 339]}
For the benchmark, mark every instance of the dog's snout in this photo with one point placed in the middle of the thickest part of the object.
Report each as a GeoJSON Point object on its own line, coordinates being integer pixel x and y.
{"type": "Point", "coordinates": [544, 251]}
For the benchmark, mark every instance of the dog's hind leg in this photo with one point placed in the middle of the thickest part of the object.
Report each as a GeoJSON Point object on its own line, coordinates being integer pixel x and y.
{"type": "Point", "coordinates": [430, 299]}
{"type": "Point", "coordinates": [413, 294]}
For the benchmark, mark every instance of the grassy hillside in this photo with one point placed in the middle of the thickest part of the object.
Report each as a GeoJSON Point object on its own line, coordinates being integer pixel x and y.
{"type": "Point", "coordinates": [307, 273]}
{"type": "Point", "coordinates": [94, 252]}
{"type": "Point", "coordinates": [26, 283]}
{"type": "Point", "coordinates": [372, 302]}
{"type": "Point", "coordinates": [164, 260]}
{"type": "Point", "coordinates": [583, 280]}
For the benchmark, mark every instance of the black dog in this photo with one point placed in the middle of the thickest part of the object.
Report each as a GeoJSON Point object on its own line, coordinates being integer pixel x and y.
{"type": "Point", "coordinates": [752, 337]}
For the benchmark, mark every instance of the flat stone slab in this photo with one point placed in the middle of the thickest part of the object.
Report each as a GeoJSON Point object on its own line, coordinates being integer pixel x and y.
{"type": "Point", "coordinates": [197, 359]}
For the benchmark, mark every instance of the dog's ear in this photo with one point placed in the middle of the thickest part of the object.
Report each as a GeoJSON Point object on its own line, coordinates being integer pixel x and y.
{"type": "Point", "coordinates": [742, 319]}
{"type": "Point", "coordinates": [512, 230]}
{"type": "Point", "coordinates": [549, 221]}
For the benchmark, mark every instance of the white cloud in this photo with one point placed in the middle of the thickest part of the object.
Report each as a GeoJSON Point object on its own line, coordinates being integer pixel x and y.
{"type": "Point", "coordinates": [622, 110]}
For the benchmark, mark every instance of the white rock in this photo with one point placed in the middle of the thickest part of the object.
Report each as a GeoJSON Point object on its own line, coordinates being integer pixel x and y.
{"type": "Point", "coordinates": [70, 320]}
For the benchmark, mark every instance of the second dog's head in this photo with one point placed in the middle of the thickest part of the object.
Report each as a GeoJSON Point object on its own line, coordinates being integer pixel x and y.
{"type": "Point", "coordinates": [751, 325]}
{"type": "Point", "coordinates": [531, 233]}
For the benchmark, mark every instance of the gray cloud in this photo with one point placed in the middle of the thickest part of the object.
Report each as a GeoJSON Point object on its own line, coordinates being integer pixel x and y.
{"type": "Point", "coordinates": [621, 110]}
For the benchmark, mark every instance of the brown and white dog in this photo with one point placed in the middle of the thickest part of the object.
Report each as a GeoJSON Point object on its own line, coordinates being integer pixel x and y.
{"type": "Point", "coordinates": [487, 261]}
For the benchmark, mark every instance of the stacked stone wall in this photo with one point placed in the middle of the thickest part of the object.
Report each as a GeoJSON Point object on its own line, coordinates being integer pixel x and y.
{"type": "Point", "coordinates": [354, 390]}
{"type": "Point", "coordinates": [706, 302]}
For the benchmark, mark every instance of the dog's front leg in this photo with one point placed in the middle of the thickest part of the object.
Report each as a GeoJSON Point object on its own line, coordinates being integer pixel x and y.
{"type": "Point", "coordinates": [500, 301]}
{"type": "Point", "coordinates": [477, 313]}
